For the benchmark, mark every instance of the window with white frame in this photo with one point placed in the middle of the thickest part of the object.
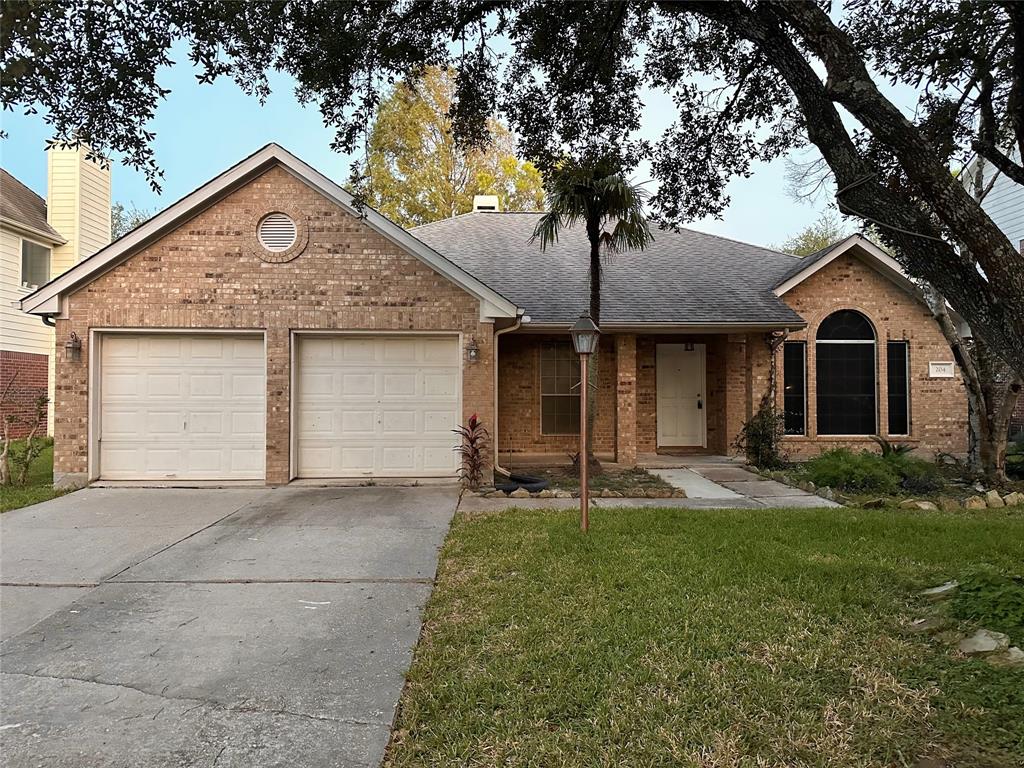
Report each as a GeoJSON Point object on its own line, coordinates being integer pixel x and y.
{"type": "Point", "coordinates": [35, 264]}
{"type": "Point", "coordinates": [559, 389]}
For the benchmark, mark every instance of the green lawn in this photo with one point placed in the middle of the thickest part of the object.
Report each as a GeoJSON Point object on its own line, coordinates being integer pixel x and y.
{"type": "Point", "coordinates": [38, 488]}
{"type": "Point", "coordinates": [707, 638]}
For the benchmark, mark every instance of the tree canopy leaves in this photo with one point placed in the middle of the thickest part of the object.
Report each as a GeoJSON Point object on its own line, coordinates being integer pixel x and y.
{"type": "Point", "coordinates": [416, 172]}
{"type": "Point", "coordinates": [749, 79]}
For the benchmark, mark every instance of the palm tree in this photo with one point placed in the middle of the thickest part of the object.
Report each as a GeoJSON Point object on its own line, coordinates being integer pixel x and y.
{"type": "Point", "coordinates": [599, 195]}
{"type": "Point", "coordinates": [611, 208]}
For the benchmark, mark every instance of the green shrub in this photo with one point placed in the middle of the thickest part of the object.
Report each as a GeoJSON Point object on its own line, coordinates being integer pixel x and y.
{"type": "Point", "coordinates": [760, 439]}
{"type": "Point", "coordinates": [916, 475]}
{"type": "Point", "coordinates": [994, 600]}
{"type": "Point", "coordinates": [857, 472]}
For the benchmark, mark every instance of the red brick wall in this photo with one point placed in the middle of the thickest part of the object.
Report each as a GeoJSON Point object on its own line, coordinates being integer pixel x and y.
{"type": "Point", "coordinates": [519, 426]}
{"type": "Point", "coordinates": [206, 274]}
{"type": "Point", "coordinates": [938, 407]}
{"type": "Point", "coordinates": [26, 375]}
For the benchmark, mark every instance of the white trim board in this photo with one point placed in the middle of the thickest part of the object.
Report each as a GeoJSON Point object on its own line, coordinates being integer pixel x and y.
{"type": "Point", "coordinates": [47, 300]}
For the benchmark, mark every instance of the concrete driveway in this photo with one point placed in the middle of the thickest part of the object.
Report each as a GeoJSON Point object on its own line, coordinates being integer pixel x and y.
{"type": "Point", "coordinates": [242, 627]}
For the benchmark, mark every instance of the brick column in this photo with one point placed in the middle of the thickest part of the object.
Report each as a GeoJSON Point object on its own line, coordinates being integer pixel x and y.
{"type": "Point", "coordinates": [278, 406]}
{"type": "Point", "coordinates": [625, 399]}
{"type": "Point", "coordinates": [737, 386]}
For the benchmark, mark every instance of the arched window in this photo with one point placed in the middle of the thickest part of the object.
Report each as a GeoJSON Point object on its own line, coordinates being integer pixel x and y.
{"type": "Point", "coordinates": [845, 361]}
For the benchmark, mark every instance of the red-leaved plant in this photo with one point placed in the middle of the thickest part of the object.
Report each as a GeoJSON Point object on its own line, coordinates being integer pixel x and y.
{"type": "Point", "coordinates": [474, 439]}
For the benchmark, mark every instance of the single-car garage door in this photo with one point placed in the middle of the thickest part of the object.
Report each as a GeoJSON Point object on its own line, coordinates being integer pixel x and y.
{"type": "Point", "coordinates": [377, 406]}
{"type": "Point", "coordinates": [182, 407]}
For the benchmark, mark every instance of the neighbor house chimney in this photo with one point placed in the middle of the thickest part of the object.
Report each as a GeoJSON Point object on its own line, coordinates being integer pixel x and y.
{"type": "Point", "coordinates": [485, 203]}
{"type": "Point", "coordinates": [77, 205]}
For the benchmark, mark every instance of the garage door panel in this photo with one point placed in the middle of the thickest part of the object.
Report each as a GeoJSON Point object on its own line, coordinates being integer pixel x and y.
{"type": "Point", "coordinates": [394, 402]}
{"type": "Point", "coordinates": [182, 407]}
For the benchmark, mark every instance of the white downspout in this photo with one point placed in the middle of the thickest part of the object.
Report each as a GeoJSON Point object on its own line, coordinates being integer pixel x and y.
{"type": "Point", "coordinates": [520, 319]}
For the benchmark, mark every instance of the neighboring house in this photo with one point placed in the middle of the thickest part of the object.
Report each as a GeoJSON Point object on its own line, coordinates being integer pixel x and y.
{"type": "Point", "coordinates": [267, 328]}
{"type": "Point", "coordinates": [1004, 203]}
{"type": "Point", "coordinates": [39, 239]}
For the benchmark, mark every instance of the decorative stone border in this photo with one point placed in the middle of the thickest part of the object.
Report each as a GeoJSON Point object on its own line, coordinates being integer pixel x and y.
{"type": "Point", "coordinates": [255, 247]}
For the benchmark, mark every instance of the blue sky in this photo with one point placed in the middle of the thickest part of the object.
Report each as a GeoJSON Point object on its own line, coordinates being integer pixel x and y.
{"type": "Point", "coordinates": [203, 129]}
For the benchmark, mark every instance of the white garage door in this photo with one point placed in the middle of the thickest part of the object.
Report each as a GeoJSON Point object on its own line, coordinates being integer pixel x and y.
{"type": "Point", "coordinates": [182, 407]}
{"type": "Point", "coordinates": [377, 406]}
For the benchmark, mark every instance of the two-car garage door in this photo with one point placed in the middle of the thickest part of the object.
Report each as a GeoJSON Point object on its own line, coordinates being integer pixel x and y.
{"type": "Point", "coordinates": [193, 406]}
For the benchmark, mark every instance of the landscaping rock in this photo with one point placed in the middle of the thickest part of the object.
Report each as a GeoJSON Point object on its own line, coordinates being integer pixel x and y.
{"type": "Point", "coordinates": [520, 493]}
{"type": "Point", "coordinates": [874, 504]}
{"type": "Point", "coordinates": [547, 493]}
{"type": "Point", "coordinates": [916, 504]}
{"type": "Point", "coordinates": [1014, 499]}
{"type": "Point", "coordinates": [975, 502]}
{"type": "Point", "coordinates": [563, 495]}
{"type": "Point", "coordinates": [678, 493]}
{"type": "Point", "coordinates": [941, 592]}
{"type": "Point", "coordinates": [994, 500]}
{"type": "Point", "coordinates": [947, 504]}
{"type": "Point", "coordinates": [827, 493]}
{"type": "Point", "coordinates": [984, 642]}
{"type": "Point", "coordinates": [495, 495]}
{"type": "Point", "coordinates": [1012, 657]}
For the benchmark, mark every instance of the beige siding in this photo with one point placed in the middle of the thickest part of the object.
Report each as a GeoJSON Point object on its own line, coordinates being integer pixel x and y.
{"type": "Point", "coordinates": [18, 332]}
{"type": "Point", "coordinates": [78, 205]}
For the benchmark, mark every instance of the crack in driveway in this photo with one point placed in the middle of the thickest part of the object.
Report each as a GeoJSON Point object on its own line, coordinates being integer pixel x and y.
{"type": "Point", "coordinates": [199, 701]}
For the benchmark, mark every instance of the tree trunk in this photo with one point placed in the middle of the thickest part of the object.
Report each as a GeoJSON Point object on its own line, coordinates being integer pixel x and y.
{"type": "Point", "coordinates": [590, 386]}
{"type": "Point", "coordinates": [992, 392]}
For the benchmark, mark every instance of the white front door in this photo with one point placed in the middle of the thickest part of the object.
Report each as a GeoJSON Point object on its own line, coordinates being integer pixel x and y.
{"type": "Point", "coordinates": [377, 406]}
{"type": "Point", "coordinates": [182, 407]}
{"type": "Point", "coordinates": [682, 402]}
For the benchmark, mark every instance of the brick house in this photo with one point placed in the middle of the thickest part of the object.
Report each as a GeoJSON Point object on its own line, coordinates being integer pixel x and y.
{"type": "Point", "coordinates": [267, 328]}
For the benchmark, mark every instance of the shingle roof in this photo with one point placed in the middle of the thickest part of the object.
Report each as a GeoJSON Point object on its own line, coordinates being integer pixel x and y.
{"type": "Point", "coordinates": [803, 263]}
{"type": "Point", "coordinates": [682, 277]}
{"type": "Point", "coordinates": [21, 205]}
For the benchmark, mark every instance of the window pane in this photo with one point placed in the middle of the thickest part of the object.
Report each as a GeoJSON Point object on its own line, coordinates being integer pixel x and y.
{"type": "Point", "coordinates": [846, 324]}
{"type": "Point", "coordinates": [899, 410]}
{"type": "Point", "coordinates": [35, 264]}
{"type": "Point", "coordinates": [560, 415]}
{"type": "Point", "coordinates": [846, 389]}
{"type": "Point", "coordinates": [794, 399]}
{"type": "Point", "coordinates": [560, 390]}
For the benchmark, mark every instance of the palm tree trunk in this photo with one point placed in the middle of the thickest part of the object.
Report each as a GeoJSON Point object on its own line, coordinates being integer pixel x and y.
{"type": "Point", "coordinates": [590, 386]}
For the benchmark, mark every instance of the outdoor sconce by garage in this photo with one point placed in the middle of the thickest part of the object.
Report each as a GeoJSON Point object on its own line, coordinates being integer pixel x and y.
{"type": "Point", "coordinates": [73, 349]}
{"type": "Point", "coordinates": [472, 351]}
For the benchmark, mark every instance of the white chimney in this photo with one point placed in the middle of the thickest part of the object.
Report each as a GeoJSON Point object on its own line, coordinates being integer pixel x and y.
{"type": "Point", "coordinates": [485, 203]}
{"type": "Point", "coordinates": [77, 205]}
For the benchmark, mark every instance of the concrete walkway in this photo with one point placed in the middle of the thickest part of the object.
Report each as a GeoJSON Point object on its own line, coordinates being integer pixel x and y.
{"type": "Point", "coordinates": [729, 480]}
{"type": "Point", "coordinates": [233, 628]}
{"type": "Point", "coordinates": [710, 482]}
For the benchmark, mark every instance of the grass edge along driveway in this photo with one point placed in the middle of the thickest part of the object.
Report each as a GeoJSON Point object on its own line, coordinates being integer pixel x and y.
{"type": "Point", "coordinates": [707, 638]}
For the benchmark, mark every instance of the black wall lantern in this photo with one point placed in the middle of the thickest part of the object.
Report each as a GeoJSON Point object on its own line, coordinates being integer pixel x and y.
{"type": "Point", "coordinates": [472, 351]}
{"type": "Point", "coordinates": [73, 349]}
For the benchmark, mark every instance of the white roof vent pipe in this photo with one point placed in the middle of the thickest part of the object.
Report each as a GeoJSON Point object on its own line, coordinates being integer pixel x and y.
{"type": "Point", "coordinates": [485, 203]}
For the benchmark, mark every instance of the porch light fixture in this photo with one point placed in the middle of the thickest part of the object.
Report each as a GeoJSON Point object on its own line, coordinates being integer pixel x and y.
{"type": "Point", "coordinates": [688, 347]}
{"type": "Point", "coordinates": [73, 348]}
{"type": "Point", "coordinates": [585, 335]}
{"type": "Point", "coordinates": [472, 351]}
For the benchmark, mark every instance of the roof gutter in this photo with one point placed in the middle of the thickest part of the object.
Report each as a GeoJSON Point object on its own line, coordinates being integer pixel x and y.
{"type": "Point", "coordinates": [32, 231]}
{"type": "Point", "coordinates": [656, 327]}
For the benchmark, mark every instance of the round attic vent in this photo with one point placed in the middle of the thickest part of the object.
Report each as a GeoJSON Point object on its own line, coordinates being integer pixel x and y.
{"type": "Point", "coordinates": [276, 232]}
